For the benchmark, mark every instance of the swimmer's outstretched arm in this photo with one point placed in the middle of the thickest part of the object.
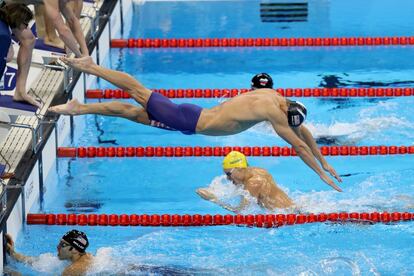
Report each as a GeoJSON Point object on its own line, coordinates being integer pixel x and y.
{"type": "Point", "coordinates": [307, 137]}
{"type": "Point", "coordinates": [280, 125]}
{"type": "Point", "coordinates": [204, 193]}
{"type": "Point", "coordinates": [120, 79]}
{"type": "Point", "coordinates": [17, 256]}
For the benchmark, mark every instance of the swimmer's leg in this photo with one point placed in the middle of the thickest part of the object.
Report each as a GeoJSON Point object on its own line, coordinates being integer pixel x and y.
{"type": "Point", "coordinates": [124, 81]}
{"type": "Point", "coordinates": [116, 109]}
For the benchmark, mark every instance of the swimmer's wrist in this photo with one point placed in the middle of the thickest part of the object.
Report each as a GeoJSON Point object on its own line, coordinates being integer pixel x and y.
{"type": "Point", "coordinates": [93, 69]}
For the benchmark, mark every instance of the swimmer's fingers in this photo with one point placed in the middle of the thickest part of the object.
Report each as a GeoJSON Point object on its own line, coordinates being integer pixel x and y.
{"type": "Point", "coordinates": [335, 187]}
{"type": "Point", "coordinates": [330, 182]}
{"type": "Point", "coordinates": [228, 208]}
{"type": "Point", "coordinates": [67, 61]}
{"type": "Point", "coordinates": [332, 171]}
{"type": "Point", "coordinates": [10, 243]}
{"type": "Point", "coordinates": [9, 239]}
{"type": "Point", "coordinates": [334, 174]}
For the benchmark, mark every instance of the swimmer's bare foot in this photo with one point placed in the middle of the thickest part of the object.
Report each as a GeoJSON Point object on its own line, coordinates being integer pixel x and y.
{"type": "Point", "coordinates": [70, 108]}
{"type": "Point", "coordinates": [55, 42]}
{"type": "Point", "coordinates": [24, 97]}
{"type": "Point", "coordinates": [83, 64]}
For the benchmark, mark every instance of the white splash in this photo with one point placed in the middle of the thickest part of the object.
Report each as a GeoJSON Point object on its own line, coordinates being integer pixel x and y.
{"type": "Point", "coordinates": [339, 265]}
{"type": "Point", "coordinates": [361, 129]}
{"type": "Point", "coordinates": [375, 193]}
{"type": "Point", "coordinates": [49, 263]}
{"type": "Point", "coordinates": [367, 123]}
{"type": "Point", "coordinates": [231, 194]}
{"type": "Point", "coordinates": [350, 132]}
{"type": "Point", "coordinates": [106, 263]}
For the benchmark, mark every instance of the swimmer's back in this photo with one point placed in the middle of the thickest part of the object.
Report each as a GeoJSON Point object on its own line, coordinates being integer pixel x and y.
{"type": "Point", "coordinates": [269, 195]}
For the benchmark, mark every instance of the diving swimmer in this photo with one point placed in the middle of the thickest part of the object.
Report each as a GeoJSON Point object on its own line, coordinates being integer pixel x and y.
{"type": "Point", "coordinates": [228, 118]}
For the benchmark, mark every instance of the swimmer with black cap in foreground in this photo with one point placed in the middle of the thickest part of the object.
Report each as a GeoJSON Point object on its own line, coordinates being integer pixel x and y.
{"type": "Point", "coordinates": [231, 117]}
{"type": "Point", "coordinates": [71, 247]}
{"type": "Point", "coordinates": [258, 182]}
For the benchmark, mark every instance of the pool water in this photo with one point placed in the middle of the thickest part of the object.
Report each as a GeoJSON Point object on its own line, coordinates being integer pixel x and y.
{"type": "Point", "coordinates": [167, 185]}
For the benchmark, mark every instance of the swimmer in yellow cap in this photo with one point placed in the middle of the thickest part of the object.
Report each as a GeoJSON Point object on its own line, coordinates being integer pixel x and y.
{"type": "Point", "coordinates": [233, 116]}
{"type": "Point", "coordinates": [258, 182]}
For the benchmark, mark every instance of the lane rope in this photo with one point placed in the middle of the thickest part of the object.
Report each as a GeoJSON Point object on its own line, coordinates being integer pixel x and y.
{"type": "Point", "coordinates": [287, 92]}
{"type": "Point", "coordinates": [207, 151]}
{"type": "Point", "coordinates": [260, 42]}
{"type": "Point", "coordinates": [259, 220]}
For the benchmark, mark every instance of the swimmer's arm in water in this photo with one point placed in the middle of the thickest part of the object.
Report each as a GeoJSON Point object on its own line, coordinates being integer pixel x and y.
{"type": "Point", "coordinates": [243, 204]}
{"type": "Point", "coordinates": [204, 193]}
{"type": "Point", "coordinates": [307, 137]}
{"type": "Point", "coordinates": [17, 256]}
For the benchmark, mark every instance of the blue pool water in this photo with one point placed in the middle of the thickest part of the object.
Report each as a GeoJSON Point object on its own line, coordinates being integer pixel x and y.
{"type": "Point", "coordinates": [161, 185]}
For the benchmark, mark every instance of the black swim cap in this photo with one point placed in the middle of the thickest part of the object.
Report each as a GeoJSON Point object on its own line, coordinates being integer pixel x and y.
{"type": "Point", "coordinates": [296, 113]}
{"type": "Point", "coordinates": [76, 239]}
{"type": "Point", "coordinates": [262, 80]}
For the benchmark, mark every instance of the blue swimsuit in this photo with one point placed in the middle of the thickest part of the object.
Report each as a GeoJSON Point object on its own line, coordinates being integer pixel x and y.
{"type": "Point", "coordinates": [5, 38]}
{"type": "Point", "coordinates": [163, 113]}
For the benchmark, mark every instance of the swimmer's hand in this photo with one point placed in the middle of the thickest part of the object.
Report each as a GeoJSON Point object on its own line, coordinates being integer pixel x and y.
{"type": "Point", "coordinates": [17, 256]}
{"type": "Point", "coordinates": [83, 64]}
{"type": "Point", "coordinates": [332, 171]}
{"type": "Point", "coordinates": [204, 193]}
{"type": "Point", "coordinates": [9, 245]}
{"type": "Point", "coordinates": [330, 182]}
{"type": "Point", "coordinates": [231, 209]}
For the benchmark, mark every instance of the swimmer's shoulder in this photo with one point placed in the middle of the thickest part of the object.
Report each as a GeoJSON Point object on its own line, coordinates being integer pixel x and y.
{"type": "Point", "coordinates": [270, 96]}
{"type": "Point", "coordinates": [258, 172]}
{"type": "Point", "coordinates": [263, 96]}
{"type": "Point", "coordinates": [79, 267]}
{"type": "Point", "coordinates": [257, 169]}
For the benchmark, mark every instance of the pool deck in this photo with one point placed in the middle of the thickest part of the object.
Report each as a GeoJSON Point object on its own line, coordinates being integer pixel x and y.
{"type": "Point", "coordinates": [28, 141]}
{"type": "Point", "coordinates": [49, 83]}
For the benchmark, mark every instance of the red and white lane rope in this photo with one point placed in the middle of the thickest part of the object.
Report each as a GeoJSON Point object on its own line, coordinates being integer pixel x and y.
{"type": "Point", "coordinates": [268, 220]}
{"type": "Point", "coordinates": [260, 42]}
{"type": "Point", "coordinates": [287, 92]}
{"type": "Point", "coordinates": [206, 151]}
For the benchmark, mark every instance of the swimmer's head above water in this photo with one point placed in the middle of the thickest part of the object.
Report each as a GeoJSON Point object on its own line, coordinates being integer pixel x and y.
{"type": "Point", "coordinates": [262, 80]}
{"type": "Point", "coordinates": [234, 160]}
{"type": "Point", "coordinates": [73, 242]}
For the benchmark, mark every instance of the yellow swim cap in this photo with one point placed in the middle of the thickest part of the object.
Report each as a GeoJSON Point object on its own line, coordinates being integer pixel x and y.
{"type": "Point", "coordinates": [234, 159]}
